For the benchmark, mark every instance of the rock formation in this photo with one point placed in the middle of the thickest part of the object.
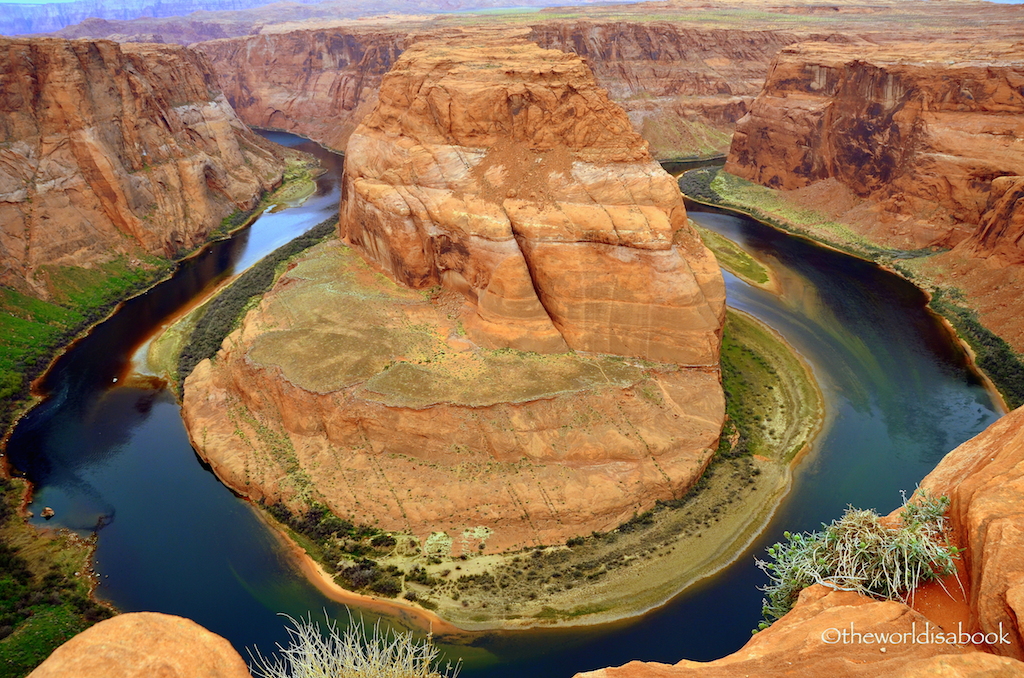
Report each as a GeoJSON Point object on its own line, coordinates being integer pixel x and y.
{"type": "Point", "coordinates": [501, 181]}
{"type": "Point", "coordinates": [983, 478]}
{"type": "Point", "coordinates": [922, 131]}
{"type": "Point", "coordinates": [675, 82]}
{"type": "Point", "coordinates": [924, 140]}
{"type": "Point", "coordinates": [315, 83]}
{"type": "Point", "coordinates": [108, 149]}
{"type": "Point", "coordinates": [144, 645]}
{"type": "Point", "coordinates": [507, 175]}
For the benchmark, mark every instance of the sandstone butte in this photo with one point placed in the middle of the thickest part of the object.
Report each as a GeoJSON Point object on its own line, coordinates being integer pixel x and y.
{"type": "Point", "coordinates": [984, 478]}
{"type": "Point", "coordinates": [499, 180]}
{"type": "Point", "coordinates": [914, 146]}
{"type": "Point", "coordinates": [109, 150]}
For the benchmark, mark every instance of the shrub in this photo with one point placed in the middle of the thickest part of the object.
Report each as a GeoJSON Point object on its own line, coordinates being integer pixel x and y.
{"type": "Point", "coordinates": [859, 553]}
{"type": "Point", "coordinates": [312, 653]}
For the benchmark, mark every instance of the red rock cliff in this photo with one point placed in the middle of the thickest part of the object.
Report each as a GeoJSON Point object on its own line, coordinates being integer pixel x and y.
{"type": "Point", "coordinates": [501, 180]}
{"type": "Point", "coordinates": [320, 83]}
{"type": "Point", "coordinates": [108, 149]}
{"type": "Point", "coordinates": [929, 133]}
{"type": "Point", "coordinates": [503, 172]}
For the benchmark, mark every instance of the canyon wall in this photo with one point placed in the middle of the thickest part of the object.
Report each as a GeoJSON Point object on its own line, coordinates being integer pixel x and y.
{"type": "Point", "coordinates": [984, 479]}
{"type": "Point", "coordinates": [923, 131]}
{"type": "Point", "coordinates": [316, 83]}
{"type": "Point", "coordinates": [913, 146]}
{"type": "Point", "coordinates": [110, 150]}
{"type": "Point", "coordinates": [516, 216]}
{"type": "Point", "coordinates": [683, 88]}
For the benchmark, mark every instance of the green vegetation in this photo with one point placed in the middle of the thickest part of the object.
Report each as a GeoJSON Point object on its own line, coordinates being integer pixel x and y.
{"type": "Point", "coordinates": [733, 258]}
{"type": "Point", "coordinates": [43, 600]}
{"type": "Point", "coordinates": [673, 137]}
{"type": "Point", "coordinates": [992, 354]}
{"type": "Point", "coordinates": [223, 312]}
{"type": "Point", "coordinates": [860, 553]}
{"type": "Point", "coordinates": [770, 398]}
{"type": "Point", "coordinates": [311, 653]}
{"type": "Point", "coordinates": [32, 331]}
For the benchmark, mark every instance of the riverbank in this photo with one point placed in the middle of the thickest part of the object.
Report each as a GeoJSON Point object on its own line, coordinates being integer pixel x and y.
{"type": "Point", "coordinates": [37, 333]}
{"type": "Point", "coordinates": [61, 585]}
{"type": "Point", "coordinates": [993, 359]}
{"type": "Point", "coordinates": [776, 410]}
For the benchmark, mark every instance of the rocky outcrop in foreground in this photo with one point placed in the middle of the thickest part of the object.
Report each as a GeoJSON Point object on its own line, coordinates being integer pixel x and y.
{"type": "Point", "coordinates": [144, 645]}
{"type": "Point", "coordinates": [110, 149]}
{"type": "Point", "coordinates": [984, 479]}
{"type": "Point", "coordinates": [498, 180]}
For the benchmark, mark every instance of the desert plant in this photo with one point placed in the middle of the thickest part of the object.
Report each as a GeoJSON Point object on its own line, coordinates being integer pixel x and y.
{"type": "Point", "coordinates": [860, 553]}
{"type": "Point", "coordinates": [351, 653]}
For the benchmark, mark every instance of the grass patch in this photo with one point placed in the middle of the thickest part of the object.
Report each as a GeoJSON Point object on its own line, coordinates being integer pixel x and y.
{"type": "Point", "coordinates": [224, 311]}
{"type": "Point", "coordinates": [769, 394]}
{"type": "Point", "coordinates": [673, 137]}
{"type": "Point", "coordinates": [312, 651]}
{"type": "Point", "coordinates": [44, 600]}
{"type": "Point", "coordinates": [733, 258]}
{"type": "Point", "coordinates": [32, 331]}
{"type": "Point", "coordinates": [992, 353]}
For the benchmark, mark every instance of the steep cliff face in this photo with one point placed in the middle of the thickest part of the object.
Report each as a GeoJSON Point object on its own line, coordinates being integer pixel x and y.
{"type": "Point", "coordinates": [108, 149]}
{"type": "Point", "coordinates": [316, 83]}
{"type": "Point", "coordinates": [930, 134]}
{"type": "Point", "coordinates": [504, 173]}
{"type": "Point", "coordinates": [500, 181]}
{"type": "Point", "coordinates": [983, 478]}
{"type": "Point", "coordinates": [684, 88]}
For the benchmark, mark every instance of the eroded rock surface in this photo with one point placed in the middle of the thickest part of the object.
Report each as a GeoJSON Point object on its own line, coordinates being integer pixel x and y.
{"type": "Point", "coordinates": [110, 149]}
{"type": "Point", "coordinates": [504, 173]}
{"type": "Point", "coordinates": [517, 216]}
{"type": "Point", "coordinates": [144, 645]}
{"type": "Point", "coordinates": [682, 87]}
{"type": "Point", "coordinates": [929, 133]}
{"type": "Point", "coordinates": [984, 479]}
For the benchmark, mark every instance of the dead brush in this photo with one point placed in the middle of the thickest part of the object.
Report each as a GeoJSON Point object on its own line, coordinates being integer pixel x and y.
{"type": "Point", "coordinates": [859, 553]}
{"type": "Point", "coordinates": [351, 653]}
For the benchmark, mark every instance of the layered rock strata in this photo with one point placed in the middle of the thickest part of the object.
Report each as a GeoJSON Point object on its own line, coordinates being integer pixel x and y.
{"type": "Point", "coordinates": [680, 85]}
{"type": "Point", "coordinates": [984, 479]}
{"type": "Point", "coordinates": [912, 146]}
{"type": "Point", "coordinates": [110, 149]}
{"type": "Point", "coordinates": [315, 83]}
{"type": "Point", "coordinates": [504, 173]}
{"type": "Point", "coordinates": [929, 134]}
{"type": "Point", "coordinates": [500, 181]}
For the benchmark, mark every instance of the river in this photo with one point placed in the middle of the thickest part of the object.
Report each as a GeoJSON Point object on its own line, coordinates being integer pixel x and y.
{"type": "Point", "coordinates": [111, 449]}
